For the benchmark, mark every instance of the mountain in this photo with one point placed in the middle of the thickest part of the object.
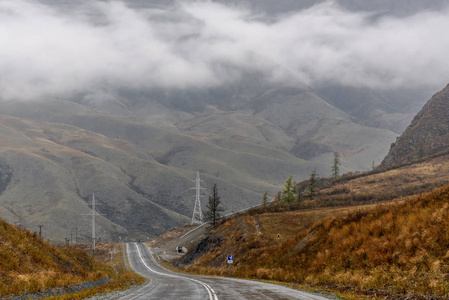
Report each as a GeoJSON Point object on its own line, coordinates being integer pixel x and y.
{"type": "Point", "coordinates": [427, 134]}
{"type": "Point", "coordinates": [139, 154]}
{"type": "Point", "coordinates": [392, 109]}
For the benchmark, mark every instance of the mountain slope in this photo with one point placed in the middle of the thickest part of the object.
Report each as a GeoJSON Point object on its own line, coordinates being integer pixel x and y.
{"type": "Point", "coordinates": [392, 251]}
{"type": "Point", "coordinates": [52, 183]}
{"type": "Point", "coordinates": [427, 134]}
{"type": "Point", "coordinates": [247, 139]}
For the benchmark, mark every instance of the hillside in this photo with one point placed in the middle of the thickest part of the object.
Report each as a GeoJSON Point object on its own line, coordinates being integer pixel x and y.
{"type": "Point", "coordinates": [394, 250]}
{"type": "Point", "coordinates": [427, 134]}
{"type": "Point", "coordinates": [140, 155]}
{"type": "Point", "coordinates": [391, 251]}
{"type": "Point", "coordinates": [51, 184]}
{"type": "Point", "coordinates": [382, 185]}
{"type": "Point", "coordinates": [30, 265]}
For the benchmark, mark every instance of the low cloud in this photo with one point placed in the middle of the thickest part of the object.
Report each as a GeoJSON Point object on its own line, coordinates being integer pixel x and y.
{"type": "Point", "coordinates": [109, 46]}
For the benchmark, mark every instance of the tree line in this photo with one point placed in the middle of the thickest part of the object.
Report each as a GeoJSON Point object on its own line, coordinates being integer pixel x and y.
{"type": "Point", "coordinates": [291, 193]}
{"type": "Point", "coordinates": [294, 193]}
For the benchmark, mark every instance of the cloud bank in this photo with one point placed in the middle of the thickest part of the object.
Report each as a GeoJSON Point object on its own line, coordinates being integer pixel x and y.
{"type": "Point", "coordinates": [109, 46]}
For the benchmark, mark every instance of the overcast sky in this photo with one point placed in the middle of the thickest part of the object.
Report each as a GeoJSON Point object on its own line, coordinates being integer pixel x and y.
{"type": "Point", "coordinates": [107, 45]}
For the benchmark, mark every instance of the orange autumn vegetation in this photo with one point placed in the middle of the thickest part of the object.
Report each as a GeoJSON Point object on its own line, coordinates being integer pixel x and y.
{"type": "Point", "coordinates": [123, 279]}
{"type": "Point", "coordinates": [394, 249]}
{"type": "Point", "coordinates": [29, 265]}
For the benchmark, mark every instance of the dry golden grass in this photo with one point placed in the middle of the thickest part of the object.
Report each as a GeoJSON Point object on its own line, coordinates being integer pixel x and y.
{"type": "Point", "coordinates": [30, 265]}
{"type": "Point", "coordinates": [394, 250]}
{"type": "Point", "coordinates": [401, 248]}
{"type": "Point", "coordinates": [254, 239]}
{"type": "Point", "coordinates": [123, 278]}
{"type": "Point", "coordinates": [380, 185]}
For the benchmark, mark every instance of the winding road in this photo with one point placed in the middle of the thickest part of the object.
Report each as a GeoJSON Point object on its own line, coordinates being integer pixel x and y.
{"type": "Point", "coordinates": [164, 284]}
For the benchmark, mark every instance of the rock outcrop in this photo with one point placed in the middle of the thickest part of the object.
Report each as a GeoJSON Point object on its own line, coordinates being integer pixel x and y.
{"type": "Point", "coordinates": [427, 134]}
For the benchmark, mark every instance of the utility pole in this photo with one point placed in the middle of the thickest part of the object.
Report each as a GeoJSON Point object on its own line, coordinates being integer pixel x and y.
{"type": "Point", "coordinates": [123, 251]}
{"type": "Point", "coordinates": [93, 224]}
{"type": "Point", "coordinates": [40, 230]}
{"type": "Point", "coordinates": [93, 213]}
{"type": "Point", "coordinates": [76, 235]}
{"type": "Point", "coordinates": [197, 217]}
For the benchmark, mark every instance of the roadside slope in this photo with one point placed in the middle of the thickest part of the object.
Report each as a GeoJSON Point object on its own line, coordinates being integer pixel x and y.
{"type": "Point", "coordinates": [28, 264]}
{"type": "Point", "coordinates": [393, 250]}
{"type": "Point", "coordinates": [34, 269]}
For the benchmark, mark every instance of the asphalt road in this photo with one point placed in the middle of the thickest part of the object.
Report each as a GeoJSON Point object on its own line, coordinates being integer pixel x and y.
{"type": "Point", "coordinates": [164, 284]}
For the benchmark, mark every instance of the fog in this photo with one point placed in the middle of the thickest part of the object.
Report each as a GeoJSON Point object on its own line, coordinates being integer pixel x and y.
{"type": "Point", "coordinates": [49, 52]}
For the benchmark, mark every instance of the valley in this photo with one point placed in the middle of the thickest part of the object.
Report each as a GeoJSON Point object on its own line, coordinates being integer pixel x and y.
{"type": "Point", "coordinates": [57, 153]}
{"type": "Point", "coordinates": [247, 121]}
{"type": "Point", "coordinates": [319, 130]}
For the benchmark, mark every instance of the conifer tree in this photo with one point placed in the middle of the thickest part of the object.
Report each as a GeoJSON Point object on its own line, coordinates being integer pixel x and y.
{"type": "Point", "coordinates": [213, 207]}
{"type": "Point", "coordinates": [312, 184]}
{"type": "Point", "coordinates": [265, 198]}
{"type": "Point", "coordinates": [288, 193]}
{"type": "Point", "coordinates": [335, 169]}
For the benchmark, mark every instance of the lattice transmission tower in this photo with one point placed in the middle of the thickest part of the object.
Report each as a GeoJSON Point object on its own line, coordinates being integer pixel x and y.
{"type": "Point", "coordinates": [197, 217]}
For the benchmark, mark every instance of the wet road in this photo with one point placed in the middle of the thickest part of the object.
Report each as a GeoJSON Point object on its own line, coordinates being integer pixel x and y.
{"type": "Point", "coordinates": [164, 284]}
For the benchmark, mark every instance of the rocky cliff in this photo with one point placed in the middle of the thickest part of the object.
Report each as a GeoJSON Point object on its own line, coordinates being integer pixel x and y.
{"type": "Point", "coordinates": [427, 134]}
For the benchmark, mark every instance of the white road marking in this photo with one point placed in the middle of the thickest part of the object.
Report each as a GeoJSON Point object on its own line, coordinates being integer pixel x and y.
{"type": "Point", "coordinates": [210, 291]}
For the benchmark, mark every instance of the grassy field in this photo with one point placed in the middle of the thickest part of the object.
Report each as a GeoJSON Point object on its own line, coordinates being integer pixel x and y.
{"type": "Point", "coordinates": [30, 265]}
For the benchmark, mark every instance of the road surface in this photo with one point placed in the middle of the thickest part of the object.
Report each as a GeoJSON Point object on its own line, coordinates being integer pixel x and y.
{"type": "Point", "coordinates": [164, 284]}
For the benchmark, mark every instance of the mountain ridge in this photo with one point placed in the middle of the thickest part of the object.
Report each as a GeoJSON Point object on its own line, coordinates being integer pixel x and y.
{"type": "Point", "coordinates": [143, 169]}
{"type": "Point", "coordinates": [427, 134]}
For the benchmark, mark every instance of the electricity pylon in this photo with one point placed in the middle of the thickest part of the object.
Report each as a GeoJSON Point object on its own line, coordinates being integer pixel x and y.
{"type": "Point", "coordinates": [93, 213]}
{"type": "Point", "coordinates": [197, 217]}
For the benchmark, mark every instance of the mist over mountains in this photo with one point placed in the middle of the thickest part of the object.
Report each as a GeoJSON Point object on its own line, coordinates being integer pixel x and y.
{"type": "Point", "coordinates": [108, 46]}
{"type": "Point", "coordinates": [129, 99]}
